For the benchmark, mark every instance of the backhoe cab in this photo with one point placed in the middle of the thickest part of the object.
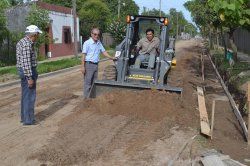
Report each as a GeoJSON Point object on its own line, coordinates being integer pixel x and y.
{"type": "Point", "coordinates": [123, 75]}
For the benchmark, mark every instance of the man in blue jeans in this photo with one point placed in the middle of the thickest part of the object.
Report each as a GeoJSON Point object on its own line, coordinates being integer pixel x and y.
{"type": "Point", "coordinates": [26, 67]}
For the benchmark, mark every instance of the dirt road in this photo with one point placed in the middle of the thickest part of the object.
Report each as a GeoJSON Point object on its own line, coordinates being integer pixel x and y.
{"type": "Point", "coordinates": [121, 128]}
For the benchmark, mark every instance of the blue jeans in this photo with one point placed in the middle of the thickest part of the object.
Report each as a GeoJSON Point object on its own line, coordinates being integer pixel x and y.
{"type": "Point", "coordinates": [28, 97]}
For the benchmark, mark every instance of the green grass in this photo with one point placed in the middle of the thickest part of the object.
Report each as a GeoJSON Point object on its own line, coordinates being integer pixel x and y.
{"type": "Point", "coordinates": [231, 72]}
{"type": "Point", "coordinates": [46, 66]}
{"type": "Point", "coordinates": [111, 53]}
{"type": "Point", "coordinates": [50, 66]}
{"type": "Point", "coordinates": [8, 70]}
{"type": "Point", "coordinates": [223, 64]}
{"type": "Point", "coordinates": [237, 68]}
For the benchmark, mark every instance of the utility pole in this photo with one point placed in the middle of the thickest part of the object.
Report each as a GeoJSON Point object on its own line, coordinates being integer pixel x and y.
{"type": "Point", "coordinates": [248, 98]}
{"type": "Point", "coordinates": [177, 26]}
{"type": "Point", "coordinates": [75, 28]}
{"type": "Point", "coordinates": [119, 8]}
{"type": "Point", "coordinates": [160, 8]}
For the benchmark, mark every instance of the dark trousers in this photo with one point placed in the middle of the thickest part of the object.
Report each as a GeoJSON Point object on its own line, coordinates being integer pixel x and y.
{"type": "Point", "coordinates": [91, 74]}
{"type": "Point", "coordinates": [28, 97]}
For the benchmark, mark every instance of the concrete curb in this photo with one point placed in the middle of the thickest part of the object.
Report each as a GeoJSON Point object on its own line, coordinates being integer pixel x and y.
{"type": "Point", "coordinates": [15, 82]}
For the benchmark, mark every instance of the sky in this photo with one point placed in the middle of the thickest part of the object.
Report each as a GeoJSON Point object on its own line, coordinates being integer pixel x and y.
{"type": "Point", "coordinates": [165, 6]}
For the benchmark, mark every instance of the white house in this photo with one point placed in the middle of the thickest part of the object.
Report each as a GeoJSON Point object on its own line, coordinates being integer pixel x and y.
{"type": "Point", "coordinates": [60, 30]}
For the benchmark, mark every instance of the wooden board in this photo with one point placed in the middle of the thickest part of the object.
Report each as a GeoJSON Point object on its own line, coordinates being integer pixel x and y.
{"type": "Point", "coordinates": [248, 91]}
{"type": "Point", "coordinates": [205, 127]}
{"type": "Point", "coordinates": [248, 140]}
{"type": "Point", "coordinates": [202, 67]}
{"type": "Point", "coordinates": [232, 102]}
{"type": "Point", "coordinates": [212, 119]}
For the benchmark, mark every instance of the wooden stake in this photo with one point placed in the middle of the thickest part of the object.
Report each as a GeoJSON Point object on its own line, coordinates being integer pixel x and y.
{"type": "Point", "coordinates": [232, 102]}
{"type": "Point", "coordinates": [212, 119]}
{"type": "Point", "coordinates": [248, 98]}
{"type": "Point", "coordinates": [202, 66]}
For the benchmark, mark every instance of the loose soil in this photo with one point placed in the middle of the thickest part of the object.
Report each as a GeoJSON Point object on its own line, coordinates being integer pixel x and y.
{"type": "Point", "coordinates": [146, 127]}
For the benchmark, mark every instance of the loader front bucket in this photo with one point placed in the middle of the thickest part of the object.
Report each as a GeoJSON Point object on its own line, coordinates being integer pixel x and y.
{"type": "Point", "coordinates": [104, 86]}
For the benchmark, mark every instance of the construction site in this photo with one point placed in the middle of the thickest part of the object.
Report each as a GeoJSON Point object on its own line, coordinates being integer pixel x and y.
{"type": "Point", "coordinates": [146, 127]}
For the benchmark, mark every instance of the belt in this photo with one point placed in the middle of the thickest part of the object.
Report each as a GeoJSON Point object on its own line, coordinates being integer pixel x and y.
{"type": "Point", "coordinates": [89, 62]}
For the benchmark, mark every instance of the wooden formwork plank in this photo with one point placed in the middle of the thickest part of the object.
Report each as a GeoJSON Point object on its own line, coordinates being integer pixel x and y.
{"type": "Point", "coordinates": [202, 67]}
{"type": "Point", "coordinates": [248, 89]}
{"type": "Point", "coordinates": [212, 119]}
{"type": "Point", "coordinates": [248, 98]}
{"type": "Point", "coordinates": [205, 127]}
{"type": "Point", "coordinates": [232, 102]}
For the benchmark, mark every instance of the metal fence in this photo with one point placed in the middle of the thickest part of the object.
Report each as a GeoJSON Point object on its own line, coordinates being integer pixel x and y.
{"type": "Point", "coordinates": [8, 52]}
{"type": "Point", "coordinates": [241, 39]}
{"type": "Point", "coordinates": [107, 40]}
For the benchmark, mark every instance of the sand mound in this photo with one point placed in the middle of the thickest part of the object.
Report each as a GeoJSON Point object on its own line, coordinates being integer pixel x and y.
{"type": "Point", "coordinates": [147, 105]}
{"type": "Point", "coordinates": [115, 120]}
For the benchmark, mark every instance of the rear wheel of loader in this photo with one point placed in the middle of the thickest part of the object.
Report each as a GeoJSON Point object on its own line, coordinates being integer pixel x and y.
{"type": "Point", "coordinates": [110, 73]}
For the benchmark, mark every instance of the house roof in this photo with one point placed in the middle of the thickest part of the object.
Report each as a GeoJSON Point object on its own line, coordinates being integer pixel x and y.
{"type": "Point", "coordinates": [55, 8]}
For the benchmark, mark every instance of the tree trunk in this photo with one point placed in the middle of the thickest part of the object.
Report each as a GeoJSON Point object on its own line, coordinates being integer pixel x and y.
{"type": "Point", "coordinates": [232, 44]}
{"type": "Point", "coordinates": [224, 43]}
{"type": "Point", "coordinates": [217, 38]}
{"type": "Point", "coordinates": [210, 38]}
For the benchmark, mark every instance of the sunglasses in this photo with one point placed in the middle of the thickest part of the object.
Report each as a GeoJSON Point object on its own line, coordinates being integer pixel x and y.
{"type": "Point", "coordinates": [96, 34]}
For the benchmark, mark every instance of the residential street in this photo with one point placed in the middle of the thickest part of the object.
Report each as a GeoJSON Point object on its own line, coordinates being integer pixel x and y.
{"type": "Point", "coordinates": [120, 128]}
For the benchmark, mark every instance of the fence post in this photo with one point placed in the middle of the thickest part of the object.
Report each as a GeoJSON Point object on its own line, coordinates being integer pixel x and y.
{"type": "Point", "coordinates": [248, 100]}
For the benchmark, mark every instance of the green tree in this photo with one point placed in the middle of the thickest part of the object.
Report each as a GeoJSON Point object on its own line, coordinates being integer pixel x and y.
{"type": "Point", "coordinates": [117, 29]}
{"type": "Point", "coordinates": [153, 12]}
{"type": "Point", "coordinates": [202, 15]}
{"type": "Point", "coordinates": [94, 13]}
{"type": "Point", "coordinates": [3, 28]}
{"type": "Point", "coordinates": [127, 7]}
{"type": "Point", "coordinates": [232, 14]}
{"type": "Point", "coordinates": [16, 2]}
{"type": "Point", "coordinates": [40, 18]}
{"type": "Point", "coordinates": [177, 22]}
{"type": "Point", "coordinates": [67, 3]}
{"type": "Point", "coordinates": [205, 19]}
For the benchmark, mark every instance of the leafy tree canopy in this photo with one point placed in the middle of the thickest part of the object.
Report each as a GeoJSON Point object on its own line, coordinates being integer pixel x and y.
{"type": "Point", "coordinates": [200, 12]}
{"type": "Point", "coordinates": [93, 14]}
{"type": "Point", "coordinates": [153, 12]}
{"type": "Point", "coordinates": [232, 14]}
{"type": "Point", "coordinates": [67, 3]}
{"type": "Point", "coordinates": [127, 7]}
{"type": "Point", "coordinates": [3, 5]}
{"type": "Point", "coordinates": [117, 29]}
{"type": "Point", "coordinates": [12, 2]}
{"type": "Point", "coordinates": [39, 17]}
{"type": "Point", "coordinates": [177, 20]}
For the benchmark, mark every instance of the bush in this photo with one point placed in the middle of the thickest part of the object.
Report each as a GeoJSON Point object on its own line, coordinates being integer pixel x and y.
{"type": "Point", "coordinates": [8, 49]}
{"type": "Point", "coordinates": [117, 28]}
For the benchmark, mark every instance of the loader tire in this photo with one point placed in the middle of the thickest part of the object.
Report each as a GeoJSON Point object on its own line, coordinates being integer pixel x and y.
{"type": "Point", "coordinates": [110, 73]}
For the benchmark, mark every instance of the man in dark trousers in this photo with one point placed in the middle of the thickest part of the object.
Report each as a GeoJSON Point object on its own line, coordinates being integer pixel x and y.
{"type": "Point", "coordinates": [92, 48]}
{"type": "Point", "coordinates": [26, 67]}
